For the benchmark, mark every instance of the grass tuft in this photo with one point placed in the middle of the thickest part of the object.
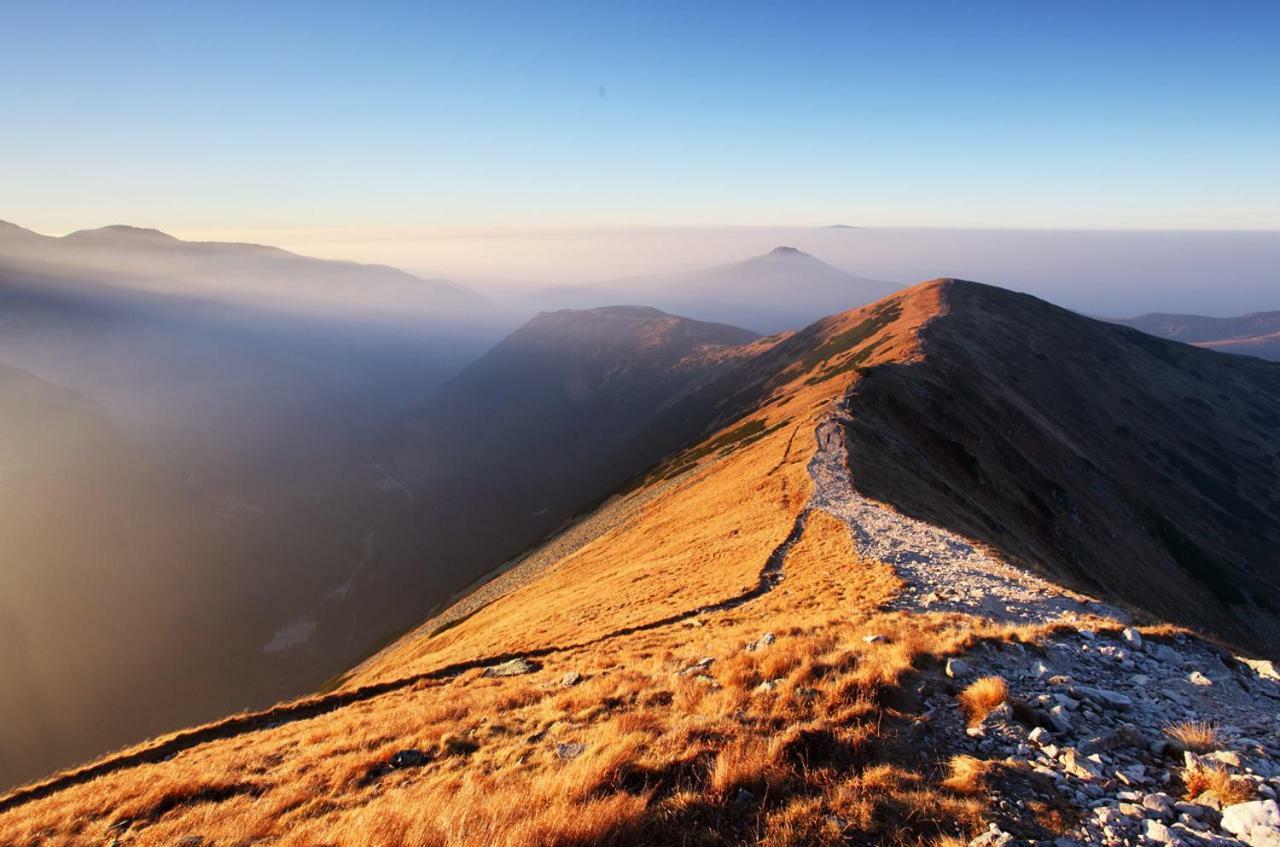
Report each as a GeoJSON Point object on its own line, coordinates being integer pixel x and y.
{"type": "Point", "coordinates": [981, 697]}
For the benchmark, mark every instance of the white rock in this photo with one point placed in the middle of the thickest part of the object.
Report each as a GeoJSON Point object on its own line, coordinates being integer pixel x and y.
{"type": "Point", "coordinates": [1159, 833]}
{"type": "Point", "coordinates": [1132, 637]}
{"type": "Point", "coordinates": [957, 668]}
{"type": "Point", "coordinates": [1243, 819]}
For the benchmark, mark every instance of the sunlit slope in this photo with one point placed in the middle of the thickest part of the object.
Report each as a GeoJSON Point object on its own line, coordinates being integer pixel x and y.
{"type": "Point", "coordinates": [735, 498]}
{"type": "Point", "coordinates": [628, 600]}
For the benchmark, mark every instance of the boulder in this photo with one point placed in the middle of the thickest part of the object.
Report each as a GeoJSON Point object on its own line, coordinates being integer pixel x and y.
{"type": "Point", "coordinates": [571, 679]}
{"type": "Point", "coordinates": [570, 750]}
{"type": "Point", "coordinates": [1256, 822]}
{"type": "Point", "coordinates": [514, 667]}
{"type": "Point", "coordinates": [1132, 637]}
{"type": "Point", "coordinates": [957, 668]}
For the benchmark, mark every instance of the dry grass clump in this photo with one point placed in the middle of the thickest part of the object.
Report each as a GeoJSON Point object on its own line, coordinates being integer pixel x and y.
{"type": "Point", "coordinates": [1227, 788]}
{"type": "Point", "coordinates": [1196, 736]}
{"type": "Point", "coordinates": [981, 697]}
{"type": "Point", "coordinates": [968, 775]}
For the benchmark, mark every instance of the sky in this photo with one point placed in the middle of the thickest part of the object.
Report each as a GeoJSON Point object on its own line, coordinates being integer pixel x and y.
{"type": "Point", "coordinates": [352, 123]}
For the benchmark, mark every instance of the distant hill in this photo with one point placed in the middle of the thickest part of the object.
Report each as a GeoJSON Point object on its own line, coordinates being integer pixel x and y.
{"type": "Point", "coordinates": [1254, 334]}
{"type": "Point", "coordinates": [150, 261]}
{"type": "Point", "coordinates": [783, 289]}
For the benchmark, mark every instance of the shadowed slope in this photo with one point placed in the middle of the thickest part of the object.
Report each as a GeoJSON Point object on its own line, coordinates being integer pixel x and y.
{"type": "Point", "coordinates": [1108, 459]}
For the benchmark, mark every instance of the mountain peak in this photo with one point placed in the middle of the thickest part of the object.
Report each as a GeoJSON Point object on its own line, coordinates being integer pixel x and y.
{"type": "Point", "coordinates": [120, 232]}
{"type": "Point", "coordinates": [787, 251]}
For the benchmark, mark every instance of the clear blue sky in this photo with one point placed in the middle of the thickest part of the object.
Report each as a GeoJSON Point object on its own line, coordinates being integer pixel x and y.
{"type": "Point", "coordinates": [222, 115]}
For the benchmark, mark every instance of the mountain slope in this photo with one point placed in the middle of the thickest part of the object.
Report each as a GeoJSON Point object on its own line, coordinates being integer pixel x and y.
{"type": "Point", "coordinates": [741, 649]}
{"type": "Point", "coordinates": [1255, 334]}
{"type": "Point", "coordinates": [553, 418]}
{"type": "Point", "coordinates": [783, 289]}
{"type": "Point", "coordinates": [1122, 464]}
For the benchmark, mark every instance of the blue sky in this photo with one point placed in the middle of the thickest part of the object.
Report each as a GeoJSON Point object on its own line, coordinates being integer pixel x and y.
{"type": "Point", "coordinates": [246, 117]}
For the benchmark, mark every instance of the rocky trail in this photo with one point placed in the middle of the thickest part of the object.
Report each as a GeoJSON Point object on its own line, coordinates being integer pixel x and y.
{"type": "Point", "coordinates": [1088, 714]}
{"type": "Point", "coordinates": [943, 572]}
{"type": "Point", "coordinates": [1094, 715]}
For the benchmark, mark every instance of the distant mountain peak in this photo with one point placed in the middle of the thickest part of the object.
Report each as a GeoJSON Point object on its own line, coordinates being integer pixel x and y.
{"type": "Point", "coordinates": [123, 231]}
{"type": "Point", "coordinates": [787, 251]}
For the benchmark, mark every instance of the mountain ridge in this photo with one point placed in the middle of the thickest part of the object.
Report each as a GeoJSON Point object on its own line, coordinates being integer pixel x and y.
{"type": "Point", "coordinates": [749, 644]}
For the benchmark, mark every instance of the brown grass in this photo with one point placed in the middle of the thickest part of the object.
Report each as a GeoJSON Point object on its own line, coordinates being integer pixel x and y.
{"type": "Point", "coordinates": [636, 753]}
{"type": "Point", "coordinates": [1196, 736]}
{"type": "Point", "coordinates": [1227, 788]}
{"type": "Point", "coordinates": [967, 775]}
{"type": "Point", "coordinates": [981, 697]}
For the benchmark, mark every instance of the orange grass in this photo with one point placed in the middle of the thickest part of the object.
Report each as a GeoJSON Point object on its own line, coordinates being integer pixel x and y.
{"type": "Point", "coordinates": [639, 752]}
{"type": "Point", "coordinates": [981, 697]}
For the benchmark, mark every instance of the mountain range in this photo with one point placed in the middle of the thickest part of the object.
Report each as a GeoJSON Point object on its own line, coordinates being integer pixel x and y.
{"type": "Point", "coordinates": [933, 569]}
{"type": "Point", "coordinates": [147, 261]}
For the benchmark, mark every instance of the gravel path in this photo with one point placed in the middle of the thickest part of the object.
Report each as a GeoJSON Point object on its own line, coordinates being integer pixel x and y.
{"type": "Point", "coordinates": [943, 571]}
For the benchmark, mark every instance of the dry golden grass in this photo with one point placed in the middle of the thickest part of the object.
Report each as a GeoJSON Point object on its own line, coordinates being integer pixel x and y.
{"type": "Point", "coordinates": [1227, 788]}
{"type": "Point", "coordinates": [1196, 736]}
{"type": "Point", "coordinates": [818, 728]}
{"type": "Point", "coordinates": [981, 696]}
{"type": "Point", "coordinates": [967, 774]}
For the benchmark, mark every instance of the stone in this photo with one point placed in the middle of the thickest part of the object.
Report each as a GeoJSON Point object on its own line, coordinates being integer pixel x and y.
{"type": "Point", "coordinates": [1253, 822]}
{"type": "Point", "coordinates": [1197, 678]}
{"type": "Point", "coordinates": [571, 679]}
{"type": "Point", "coordinates": [874, 639]}
{"type": "Point", "coordinates": [1160, 805]}
{"type": "Point", "coordinates": [957, 668]}
{"type": "Point", "coordinates": [1222, 759]}
{"type": "Point", "coordinates": [1104, 697]}
{"type": "Point", "coordinates": [1132, 637]}
{"type": "Point", "coordinates": [1077, 765]}
{"type": "Point", "coordinates": [514, 667]}
{"type": "Point", "coordinates": [1118, 738]}
{"type": "Point", "coordinates": [1264, 668]}
{"type": "Point", "coordinates": [408, 759]}
{"type": "Point", "coordinates": [1159, 833]}
{"type": "Point", "coordinates": [993, 837]}
{"type": "Point", "coordinates": [1039, 735]}
{"type": "Point", "coordinates": [762, 642]}
{"type": "Point", "coordinates": [570, 750]}
{"type": "Point", "coordinates": [1058, 717]}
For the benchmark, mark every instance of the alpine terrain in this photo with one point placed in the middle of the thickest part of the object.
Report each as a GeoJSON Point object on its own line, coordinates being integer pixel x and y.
{"type": "Point", "coordinates": [954, 567]}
